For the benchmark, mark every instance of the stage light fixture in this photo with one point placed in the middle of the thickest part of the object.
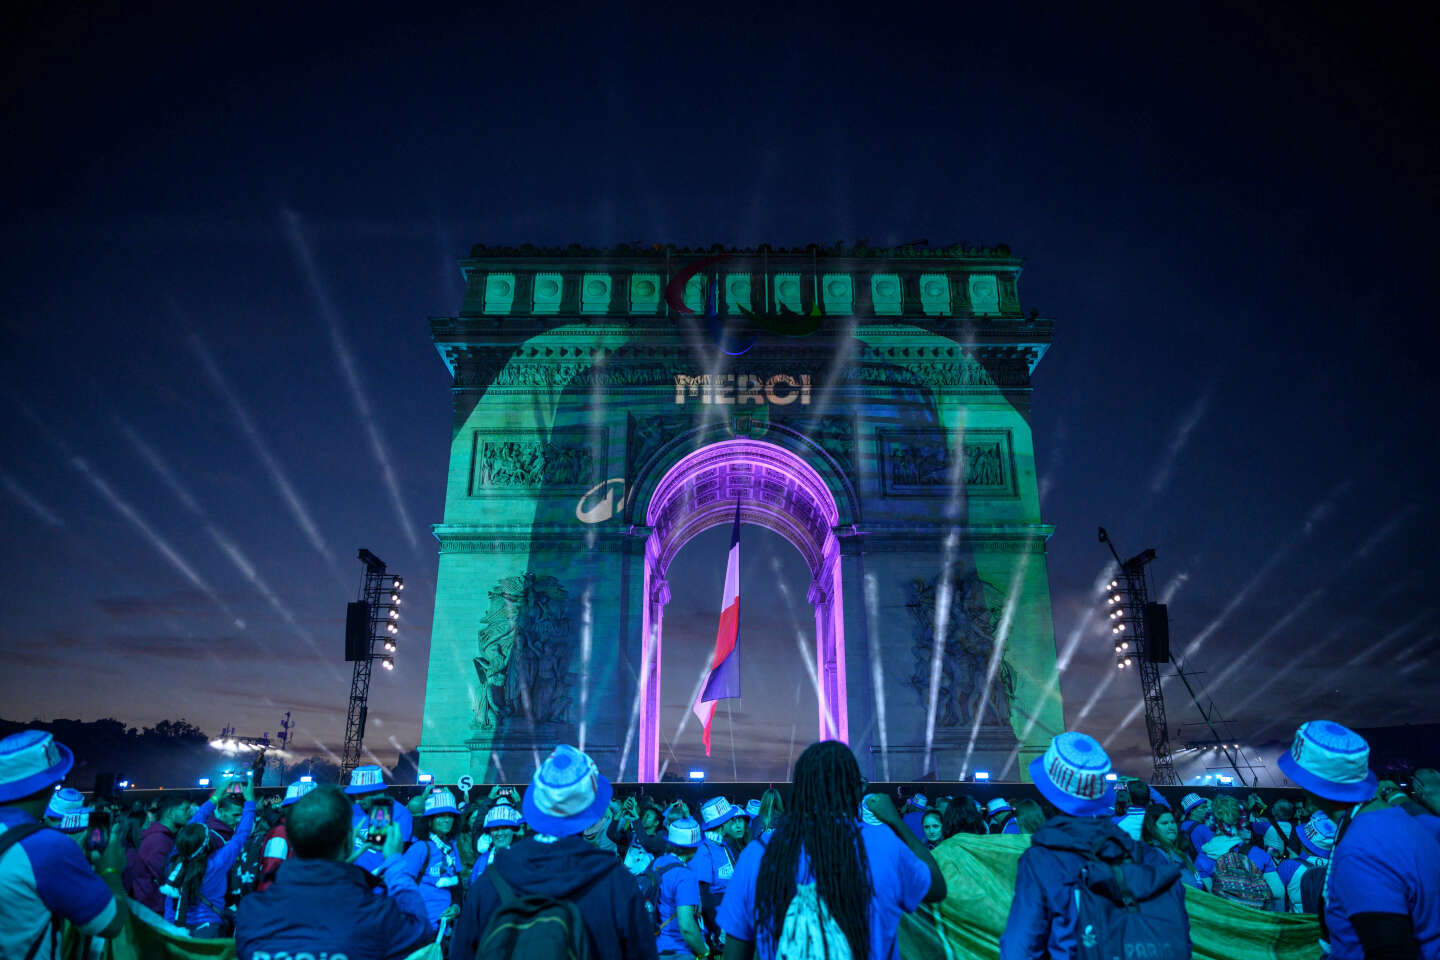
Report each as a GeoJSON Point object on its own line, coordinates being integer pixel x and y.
{"type": "Point", "coordinates": [982, 776]}
{"type": "Point", "coordinates": [1112, 777]}
{"type": "Point", "coordinates": [394, 598]}
{"type": "Point", "coordinates": [394, 614]}
{"type": "Point", "coordinates": [307, 779]}
{"type": "Point", "coordinates": [203, 781]}
{"type": "Point", "coordinates": [390, 646]}
{"type": "Point", "coordinates": [392, 628]}
{"type": "Point", "coordinates": [697, 775]}
{"type": "Point", "coordinates": [1114, 584]}
{"type": "Point", "coordinates": [425, 778]}
{"type": "Point", "coordinates": [1117, 648]}
{"type": "Point", "coordinates": [1121, 628]}
{"type": "Point", "coordinates": [388, 663]}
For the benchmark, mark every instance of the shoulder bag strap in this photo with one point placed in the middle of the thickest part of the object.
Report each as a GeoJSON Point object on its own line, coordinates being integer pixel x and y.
{"type": "Point", "coordinates": [14, 835]}
{"type": "Point", "coordinates": [507, 895]}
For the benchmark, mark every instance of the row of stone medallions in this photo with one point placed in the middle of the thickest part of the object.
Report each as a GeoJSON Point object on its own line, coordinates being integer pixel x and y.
{"type": "Point", "coordinates": [936, 294]}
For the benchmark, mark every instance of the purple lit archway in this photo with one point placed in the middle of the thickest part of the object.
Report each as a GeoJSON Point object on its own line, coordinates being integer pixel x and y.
{"type": "Point", "coordinates": [777, 490]}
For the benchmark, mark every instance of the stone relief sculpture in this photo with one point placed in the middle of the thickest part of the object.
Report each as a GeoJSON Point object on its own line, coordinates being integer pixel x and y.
{"type": "Point", "coordinates": [919, 464]}
{"type": "Point", "coordinates": [533, 463]}
{"type": "Point", "coordinates": [982, 465]}
{"type": "Point", "coordinates": [525, 651]}
{"type": "Point", "coordinates": [968, 643]}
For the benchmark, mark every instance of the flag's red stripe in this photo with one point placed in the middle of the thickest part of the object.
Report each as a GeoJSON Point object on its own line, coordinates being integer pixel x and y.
{"type": "Point", "coordinates": [725, 636]}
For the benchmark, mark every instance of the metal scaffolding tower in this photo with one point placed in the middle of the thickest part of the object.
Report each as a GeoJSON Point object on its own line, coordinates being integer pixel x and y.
{"type": "Point", "coordinates": [1131, 618]}
{"type": "Point", "coordinates": [370, 636]}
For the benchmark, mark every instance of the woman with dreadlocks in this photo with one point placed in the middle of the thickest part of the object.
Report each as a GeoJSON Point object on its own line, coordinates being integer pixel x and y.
{"type": "Point", "coordinates": [825, 885]}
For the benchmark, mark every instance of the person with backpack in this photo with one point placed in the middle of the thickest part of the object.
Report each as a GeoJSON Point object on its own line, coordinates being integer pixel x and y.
{"type": "Point", "coordinates": [44, 876]}
{"type": "Point", "coordinates": [677, 894]}
{"type": "Point", "coordinates": [434, 862]}
{"type": "Point", "coordinates": [554, 894]}
{"type": "Point", "coordinates": [1382, 889]}
{"type": "Point", "coordinates": [196, 879]}
{"type": "Point", "coordinates": [1304, 877]}
{"type": "Point", "coordinates": [322, 904]}
{"type": "Point", "coordinates": [714, 861]}
{"type": "Point", "coordinates": [1232, 866]}
{"type": "Point", "coordinates": [1194, 814]}
{"type": "Point", "coordinates": [1000, 816]}
{"type": "Point", "coordinates": [1084, 888]}
{"type": "Point", "coordinates": [275, 848]}
{"type": "Point", "coordinates": [824, 883]}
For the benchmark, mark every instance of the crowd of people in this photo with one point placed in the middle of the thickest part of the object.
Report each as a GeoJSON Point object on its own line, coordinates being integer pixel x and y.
{"type": "Point", "coordinates": [826, 869]}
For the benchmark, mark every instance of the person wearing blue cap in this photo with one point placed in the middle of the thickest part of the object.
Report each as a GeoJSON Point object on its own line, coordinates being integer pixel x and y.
{"type": "Point", "coordinates": [682, 934]}
{"type": "Point", "coordinates": [714, 863]}
{"type": "Point", "coordinates": [44, 874]}
{"type": "Point", "coordinates": [435, 862]}
{"type": "Point", "coordinates": [1382, 889]}
{"type": "Point", "coordinates": [501, 825]}
{"type": "Point", "coordinates": [557, 864]}
{"type": "Point", "coordinates": [373, 811]}
{"type": "Point", "coordinates": [275, 845]}
{"type": "Point", "coordinates": [1316, 837]}
{"type": "Point", "coordinates": [1081, 871]}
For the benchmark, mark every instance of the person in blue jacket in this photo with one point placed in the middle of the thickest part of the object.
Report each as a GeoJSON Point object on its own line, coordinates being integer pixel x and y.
{"type": "Point", "coordinates": [503, 824]}
{"type": "Point", "coordinates": [1001, 816]}
{"type": "Point", "coordinates": [434, 862]}
{"type": "Point", "coordinates": [1044, 913]}
{"type": "Point", "coordinates": [196, 880]}
{"type": "Point", "coordinates": [372, 813]}
{"type": "Point", "coordinates": [323, 905]}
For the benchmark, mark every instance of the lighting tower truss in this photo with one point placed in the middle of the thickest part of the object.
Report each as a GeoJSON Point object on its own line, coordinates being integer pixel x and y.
{"type": "Point", "coordinates": [380, 593]}
{"type": "Point", "coordinates": [1125, 603]}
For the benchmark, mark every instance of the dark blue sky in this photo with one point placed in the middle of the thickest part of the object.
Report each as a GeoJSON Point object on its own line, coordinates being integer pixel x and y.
{"type": "Point", "coordinates": [223, 234]}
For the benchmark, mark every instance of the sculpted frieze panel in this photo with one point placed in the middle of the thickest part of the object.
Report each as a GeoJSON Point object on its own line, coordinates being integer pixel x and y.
{"type": "Point", "coordinates": [525, 647]}
{"type": "Point", "coordinates": [960, 617]}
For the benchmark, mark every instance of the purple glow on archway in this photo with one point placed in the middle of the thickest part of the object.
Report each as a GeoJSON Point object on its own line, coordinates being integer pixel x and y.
{"type": "Point", "coordinates": [778, 490]}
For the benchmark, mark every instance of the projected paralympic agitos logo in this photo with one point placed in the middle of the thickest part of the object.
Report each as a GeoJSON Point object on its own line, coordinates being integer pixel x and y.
{"type": "Point", "coordinates": [784, 322]}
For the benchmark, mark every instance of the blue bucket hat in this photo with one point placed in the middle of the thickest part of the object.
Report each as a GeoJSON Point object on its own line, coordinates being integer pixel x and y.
{"type": "Point", "coordinates": [752, 808]}
{"type": "Point", "coordinates": [567, 794]}
{"type": "Point", "coordinates": [718, 810]}
{"type": "Point", "coordinates": [441, 801]}
{"type": "Point", "coordinates": [684, 833]}
{"type": "Point", "coordinates": [1318, 835]}
{"type": "Point", "coordinates": [297, 790]}
{"type": "Point", "coordinates": [1071, 775]}
{"type": "Point", "coordinates": [366, 779]}
{"type": "Point", "coordinates": [30, 761]}
{"type": "Point", "coordinates": [1330, 761]}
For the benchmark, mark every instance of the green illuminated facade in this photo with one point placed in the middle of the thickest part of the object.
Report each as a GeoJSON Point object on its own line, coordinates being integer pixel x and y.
{"type": "Point", "coordinates": [596, 430]}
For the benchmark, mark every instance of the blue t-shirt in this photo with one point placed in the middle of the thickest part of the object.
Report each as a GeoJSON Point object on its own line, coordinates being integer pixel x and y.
{"type": "Point", "coordinates": [899, 881]}
{"type": "Point", "coordinates": [363, 823]}
{"type": "Point", "coordinates": [46, 873]}
{"type": "Point", "coordinates": [1385, 863]}
{"type": "Point", "coordinates": [437, 877]}
{"type": "Point", "coordinates": [678, 888]}
{"type": "Point", "coordinates": [1430, 822]}
{"type": "Point", "coordinates": [714, 865]}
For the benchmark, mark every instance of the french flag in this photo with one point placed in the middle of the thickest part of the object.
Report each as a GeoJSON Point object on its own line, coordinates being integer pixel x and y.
{"type": "Point", "coordinates": [724, 676]}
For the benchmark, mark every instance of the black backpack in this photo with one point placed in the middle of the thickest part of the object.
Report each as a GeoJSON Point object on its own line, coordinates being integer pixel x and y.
{"type": "Point", "coordinates": [649, 883]}
{"type": "Point", "coordinates": [532, 926]}
{"type": "Point", "coordinates": [1312, 888]}
{"type": "Point", "coordinates": [1112, 922]}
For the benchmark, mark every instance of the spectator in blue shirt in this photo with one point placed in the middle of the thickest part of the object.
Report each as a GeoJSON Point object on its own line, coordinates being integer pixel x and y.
{"type": "Point", "coordinates": [681, 934]}
{"type": "Point", "coordinates": [374, 811]}
{"type": "Point", "coordinates": [196, 880]}
{"type": "Point", "coordinates": [854, 881]}
{"type": "Point", "coordinates": [1383, 886]}
{"type": "Point", "coordinates": [503, 824]}
{"type": "Point", "coordinates": [321, 904]}
{"type": "Point", "coordinates": [1000, 816]}
{"type": "Point", "coordinates": [44, 876]}
{"type": "Point", "coordinates": [434, 862]}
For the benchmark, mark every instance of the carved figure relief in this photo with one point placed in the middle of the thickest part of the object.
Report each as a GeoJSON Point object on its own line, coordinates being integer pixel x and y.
{"type": "Point", "coordinates": [914, 465]}
{"type": "Point", "coordinates": [525, 651]}
{"type": "Point", "coordinates": [532, 463]}
{"type": "Point", "coordinates": [968, 640]}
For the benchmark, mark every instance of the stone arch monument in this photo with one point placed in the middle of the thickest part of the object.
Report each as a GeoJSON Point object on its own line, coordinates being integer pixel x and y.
{"type": "Point", "coordinates": [870, 406]}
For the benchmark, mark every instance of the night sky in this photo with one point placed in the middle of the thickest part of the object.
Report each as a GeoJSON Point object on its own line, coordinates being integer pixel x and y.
{"type": "Point", "coordinates": [224, 234]}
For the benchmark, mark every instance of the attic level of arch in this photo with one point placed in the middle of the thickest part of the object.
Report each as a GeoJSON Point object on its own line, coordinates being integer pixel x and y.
{"type": "Point", "coordinates": [965, 289]}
